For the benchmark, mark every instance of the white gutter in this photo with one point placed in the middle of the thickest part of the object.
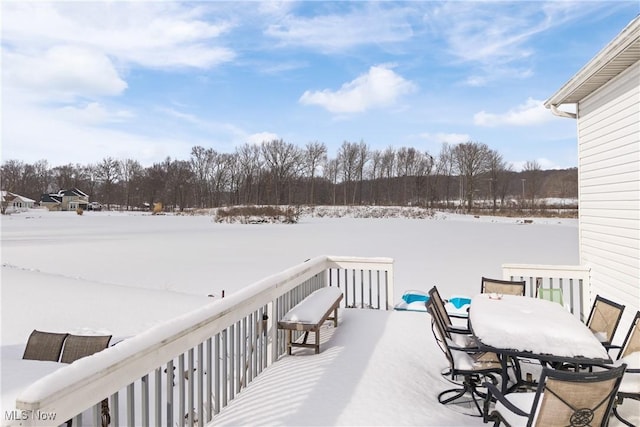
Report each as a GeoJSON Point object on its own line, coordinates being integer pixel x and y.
{"type": "Point", "coordinates": [554, 109]}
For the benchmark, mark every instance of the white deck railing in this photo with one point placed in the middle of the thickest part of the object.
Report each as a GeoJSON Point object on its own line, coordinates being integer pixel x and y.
{"type": "Point", "coordinates": [572, 279]}
{"type": "Point", "coordinates": [184, 371]}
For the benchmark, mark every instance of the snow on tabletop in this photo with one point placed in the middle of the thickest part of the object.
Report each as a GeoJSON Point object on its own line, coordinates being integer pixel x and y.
{"type": "Point", "coordinates": [532, 324]}
{"type": "Point", "coordinates": [312, 308]}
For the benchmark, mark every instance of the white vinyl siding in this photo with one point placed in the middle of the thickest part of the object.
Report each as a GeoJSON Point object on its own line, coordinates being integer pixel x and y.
{"type": "Point", "coordinates": [609, 168]}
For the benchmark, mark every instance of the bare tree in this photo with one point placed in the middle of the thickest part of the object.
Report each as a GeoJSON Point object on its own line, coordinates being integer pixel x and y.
{"type": "Point", "coordinates": [131, 173]}
{"type": "Point", "coordinates": [533, 175]}
{"type": "Point", "coordinates": [497, 178]}
{"type": "Point", "coordinates": [315, 155]}
{"type": "Point", "coordinates": [470, 160]}
{"type": "Point", "coordinates": [108, 173]}
{"type": "Point", "coordinates": [388, 166]}
{"type": "Point", "coordinates": [348, 160]}
{"type": "Point", "coordinates": [282, 160]}
{"type": "Point", "coordinates": [445, 170]}
{"type": "Point", "coordinates": [201, 163]}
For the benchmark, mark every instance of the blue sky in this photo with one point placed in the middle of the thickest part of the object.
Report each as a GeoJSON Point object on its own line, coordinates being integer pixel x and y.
{"type": "Point", "coordinates": [82, 81]}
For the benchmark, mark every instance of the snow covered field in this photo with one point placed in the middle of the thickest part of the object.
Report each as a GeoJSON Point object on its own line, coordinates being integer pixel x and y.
{"type": "Point", "coordinates": [120, 273]}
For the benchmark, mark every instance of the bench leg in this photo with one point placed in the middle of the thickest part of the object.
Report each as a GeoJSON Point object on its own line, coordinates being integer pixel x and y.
{"type": "Point", "coordinates": [289, 342]}
{"type": "Point", "coordinates": [335, 317]}
{"type": "Point", "coordinates": [317, 346]}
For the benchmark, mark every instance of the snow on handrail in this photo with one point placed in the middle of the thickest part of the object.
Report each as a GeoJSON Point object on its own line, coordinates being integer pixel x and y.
{"type": "Point", "coordinates": [78, 386]}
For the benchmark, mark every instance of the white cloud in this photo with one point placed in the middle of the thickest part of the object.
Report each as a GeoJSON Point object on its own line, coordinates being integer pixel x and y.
{"type": "Point", "coordinates": [152, 34]}
{"type": "Point", "coordinates": [449, 138]}
{"type": "Point", "coordinates": [260, 137]}
{"type": "Point", "coordinates": [93, 113]}
{"type": "Point", "coordinates": [532, 112]}
{"type": "Point", "coordinates": [373, 23]}
{"type": "Point", "coordinates": [62, 71]}
{"type": "Point", "coordinates": [380, 87]}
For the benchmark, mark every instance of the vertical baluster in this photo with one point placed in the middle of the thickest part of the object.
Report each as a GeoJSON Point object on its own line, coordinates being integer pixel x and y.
{"type": "Point", "coordinates": [200, 372]}
{"type": "Point", "coordinates": [157, 409]}
{"type": "Point", "coordinates": [253, 345]}
{"type": "Point", "coordinates": [209, 377]}
{"type": "Point", "coordinates": [353, 286]}
{"type": "Point", "coordinates": [96, 412]}
{"type": "Point", "coordinates": [386, 289]}
{"type": "Point", "coordinates": [131, 414]}
{"type": "Point", "coordinates": [370, 289]}
{"type": "Point", "coordinates": [234, 341]}
{"type": "Point", "coordinates": [346, 289]}
{"type": "Point", "coordinates": [245, 344]}
{"type": "Point", "coordinates": [115, 410]}
{"type": "Point", "coordinates": [144, 392]}
{"type": "Point", "coordinates": [218, 382]}
{"type": "Point", "coordinates": [181, 397]}
{"type": "Point", "coordinates": [225, 361]}
{"type": "Point", "coordinates": [378, 287]}
{"type": "Point", "coordinates": [190, 386]}
{"type": "Point", "coordinates": [240, 357]}
{"type": "Point", "coordinates": [361, 288]}
{"type": "Point", "coordinates": [170, 376]}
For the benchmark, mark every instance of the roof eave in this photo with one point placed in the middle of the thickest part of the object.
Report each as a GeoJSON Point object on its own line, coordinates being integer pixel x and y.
{"type": "Point", "coordinates": [628, 38]}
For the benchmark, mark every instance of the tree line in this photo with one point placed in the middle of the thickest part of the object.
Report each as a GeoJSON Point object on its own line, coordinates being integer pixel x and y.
{"type": "Point", "coordinates": [280, 173]}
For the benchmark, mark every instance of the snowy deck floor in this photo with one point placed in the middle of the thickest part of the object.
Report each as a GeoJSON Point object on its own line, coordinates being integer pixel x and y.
{"type": "Point", "coordinates": [371, 371]}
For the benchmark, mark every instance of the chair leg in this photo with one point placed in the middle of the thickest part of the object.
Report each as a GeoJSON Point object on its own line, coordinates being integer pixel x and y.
{"type": "Point", "coordinates": [468, 386]}
{"type": "Point", "coordinates": [619, 417]}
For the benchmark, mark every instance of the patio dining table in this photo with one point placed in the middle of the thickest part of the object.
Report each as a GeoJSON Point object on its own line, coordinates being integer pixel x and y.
{"type": "Point", "coordinates": [532, 328]}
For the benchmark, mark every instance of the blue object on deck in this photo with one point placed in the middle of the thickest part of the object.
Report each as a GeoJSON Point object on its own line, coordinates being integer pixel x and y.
{"type": "Point", "coordinates": [458, 306]}
{"type": "Point", "coordinates": [459, 302]}
{"type": "Point", "coordinates": [413, 301]}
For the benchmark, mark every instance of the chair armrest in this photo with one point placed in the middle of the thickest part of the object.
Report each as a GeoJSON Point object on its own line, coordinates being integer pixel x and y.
{"type": "Point", "coordinates": [494, 391]}
{"type": "Point", "coordinates": [459, 329]}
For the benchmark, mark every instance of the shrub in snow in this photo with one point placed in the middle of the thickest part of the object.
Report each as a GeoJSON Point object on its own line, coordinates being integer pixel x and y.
{"type": "Point", "coordinates": [258, 215]}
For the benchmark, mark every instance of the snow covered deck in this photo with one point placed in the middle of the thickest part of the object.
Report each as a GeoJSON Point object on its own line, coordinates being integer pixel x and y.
{"type": "Point", "coordinates": [373, 370]}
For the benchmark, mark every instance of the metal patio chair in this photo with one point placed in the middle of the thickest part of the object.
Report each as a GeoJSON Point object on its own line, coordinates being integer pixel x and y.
{"type": "Point", "coordinates": [469, 363]}
{"type": "Point", "coordinates": [44, 346]}
{"type": "Point", "coordinates": [450, 328]}
{"type": "Point", "coordinates": [504, 287]}
{"type": "Point", "coordinates": [79, 346]}
{"type": "Point", "coordinates": [562, 399]}
{"type": "Point", "coordinates": [630, 386]}
{"type": "Point", "coordinates": [604, 319]}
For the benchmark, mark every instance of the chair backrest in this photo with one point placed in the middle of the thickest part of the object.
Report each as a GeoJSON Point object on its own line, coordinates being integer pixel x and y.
{"type": "Point", "coordinates": [439, 331]}
{"type": "Point", "coordinates": [604, 318]}
{"type": "Point", "coordinates": [79, 346]}
{"type": "Point", "coordinates": [504, 287]}
{"type": "Point", "coordinates": [436, 299]}
{"type": "Point", "coordinates": [566, 398]}
{"type": "Point", "coordinates": [44, 346]}
{"type": "Point", "coordinates": [631, 343]}
{"type": "Point", "coordinates": [550, 294]}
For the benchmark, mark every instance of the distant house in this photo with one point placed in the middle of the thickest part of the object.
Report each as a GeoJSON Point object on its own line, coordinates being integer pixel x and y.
{"type": "Point", "coordinates": [606, 95]}
{"type": "Point", "coordinates": [12, 202]}
{"type": "Point", "coordinates": [65, 200]}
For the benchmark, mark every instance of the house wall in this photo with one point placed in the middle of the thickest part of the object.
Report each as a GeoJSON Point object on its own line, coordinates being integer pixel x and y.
{"type": "Point", "coordinates": [609, 189]}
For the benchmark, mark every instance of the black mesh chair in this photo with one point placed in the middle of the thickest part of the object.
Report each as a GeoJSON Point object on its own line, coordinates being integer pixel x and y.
{"type": "Point", "coordinates": [79, 346]}
{"type": "Point", "coordinates": [44, 346]}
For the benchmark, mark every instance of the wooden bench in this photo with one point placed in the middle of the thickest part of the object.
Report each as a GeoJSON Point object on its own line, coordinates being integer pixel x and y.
{"type": "Point", "coordinates": [310, 314]}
